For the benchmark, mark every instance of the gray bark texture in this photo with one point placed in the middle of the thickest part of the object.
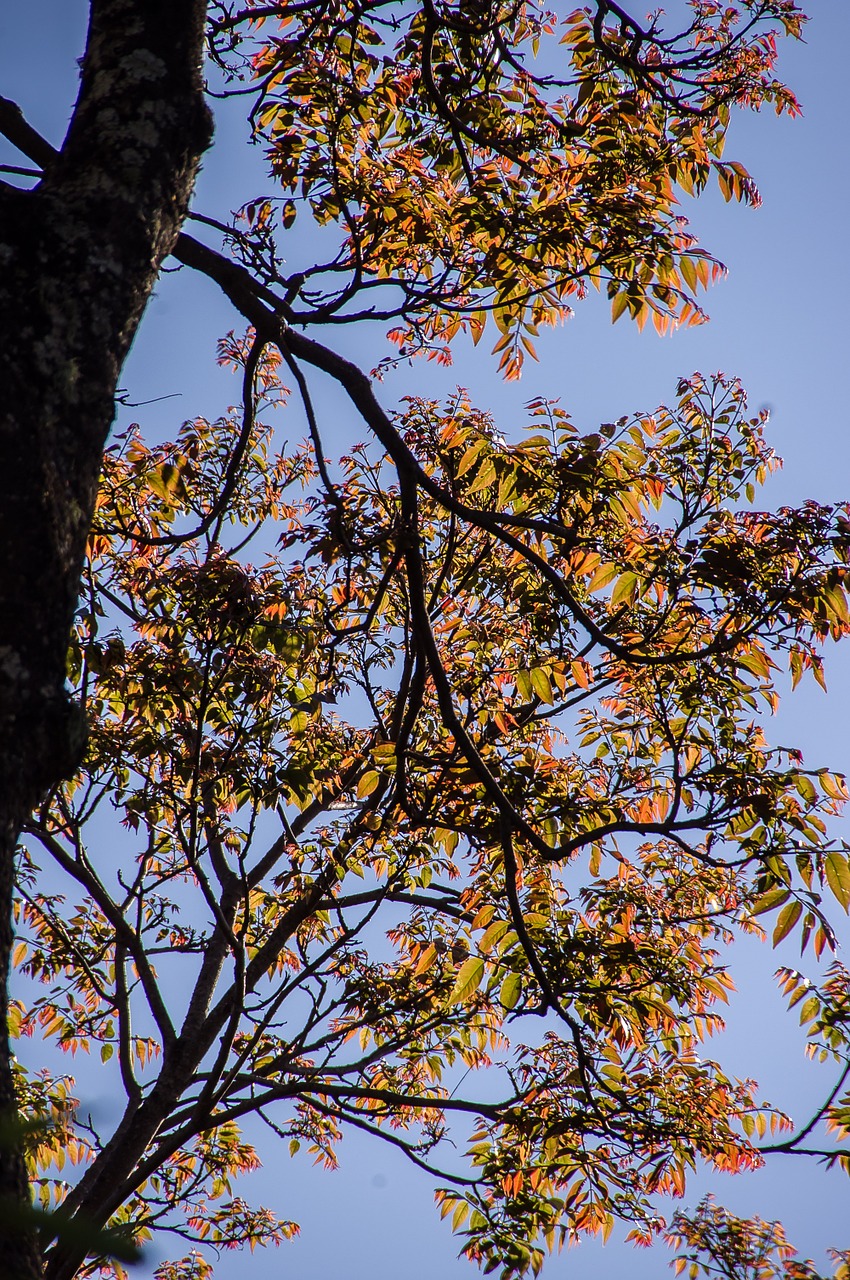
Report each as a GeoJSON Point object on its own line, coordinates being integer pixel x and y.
{"type": "Point", "coordinates": [79, 256]}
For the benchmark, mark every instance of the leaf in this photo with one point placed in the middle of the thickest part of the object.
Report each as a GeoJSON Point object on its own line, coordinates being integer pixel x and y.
{"type": "Point", "coordinates": [367, 784]}
{"type": "Point", "coordinates": [510, 990]}
{"type": "Point", "coordinates": [485, 477]}
{"type": "Point", "coordinates": [769, 901]}
{"type": "Point", "coordinates": [788, 917]}
{"type": "Point", "coordinates": [836, 603]}
{"type": "Point", "coordinates": [625, 589]}
{"type": "Point", "coordinates": [805, 788]}
{"type": "Point", "coordinates": [756, 662]}
{"type": "Point", "coordinates": [809, 1010]}
{"type": "Point", "coordinates": [460, 1215]}
{"type": "Point", "coordinates": [619, 305]}
{"type": "Point", "coordinates": [468, 980]}
{"type": "Point", "coordinates": [604, 574]}
{"type": "Point", "coordinates": [524, 687]}
{"type": "Point", "coordinates": [542, 685]}
{"type": "Point", "coordinates": [582, 673]}
{"type": "Point", "coordinates": [165, 481]}
{"type": "Point", "coordinates": [470, 457]}
{"type": "Point", "coordinates": [834, 785]}
{"type": "Point", "coordinates": [688, 270]}
{"type": "Point", "coordinates": [838, 877]}
{"type": "Point", "coordinates": [494, 933]}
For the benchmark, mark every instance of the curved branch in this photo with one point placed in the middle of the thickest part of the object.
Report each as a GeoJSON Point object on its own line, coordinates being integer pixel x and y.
{"type": "Point", "coordinates": [231, 475]}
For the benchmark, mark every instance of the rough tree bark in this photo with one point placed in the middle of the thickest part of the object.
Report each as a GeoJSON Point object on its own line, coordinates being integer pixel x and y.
{"type": "Point", "coordinates": [79, 256]}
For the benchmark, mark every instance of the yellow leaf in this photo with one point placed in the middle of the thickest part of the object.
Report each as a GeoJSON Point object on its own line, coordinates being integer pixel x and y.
{"type": "Point", "coordinates": [756, 662]}
{"type": "Point", "coordinates": [686, 266]}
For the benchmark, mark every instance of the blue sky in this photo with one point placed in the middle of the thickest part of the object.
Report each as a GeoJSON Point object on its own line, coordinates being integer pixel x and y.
{"type": "Point", "coordinates": [780, 322]}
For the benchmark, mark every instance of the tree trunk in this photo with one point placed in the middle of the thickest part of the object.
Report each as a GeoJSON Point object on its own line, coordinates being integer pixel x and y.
{"type": "Point", "coordinates": [79, 256]}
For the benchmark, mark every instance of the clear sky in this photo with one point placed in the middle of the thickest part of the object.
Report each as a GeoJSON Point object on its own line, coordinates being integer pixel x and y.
{"type": "Point", "coordinates": [779, 321]}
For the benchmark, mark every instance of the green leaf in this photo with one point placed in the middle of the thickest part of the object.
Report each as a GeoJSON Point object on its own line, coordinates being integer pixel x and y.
{"type": "Point", "coordinates": [806, 788]}
{"type": "Point", "coordinates": [367, 784]}
{"type": "Point", "coordinates": [495, 932]}
{"type": "Point", "coordinates": [788, 917]}
{"type": "Point", "coordinates": [485, 478]}
{"type": "Point", "coordinates": [165, 481]}
{"type": "Point", "coordinates": [809, 1010]}
{"type": "Point", "coordinates": [756, 662]}
{"type": "Point", "coordinates": [838, 877]}
{"type": "Point", "coordinates": [618, 306]}
{"type": "Point", "coordinates": [769, 901]}
{"type": "Point", "coordinates": [470, 456]}
{"type": "Point", "coordinates": [460, 1215]}
{"type": "Point", "coordinates": [604, 574]}
{"type": "Point", "coordinates": [468, 980]}
{"type": "Point", "coordinates": [688, 270]}
{"type": "Point", "coordinates": [836, 603]}
{"type": "Point", "coordinates": [625, 588]}
{"type": "Point", "coordinates": [510, 990]}
{"type": "Point", "coordinates": [524, 687]}
{"type": "Point", "coordinates": [542, 685]}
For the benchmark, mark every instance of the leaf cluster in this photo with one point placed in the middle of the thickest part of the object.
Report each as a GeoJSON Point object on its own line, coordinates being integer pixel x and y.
{"type": "Point", "coordinates": [471, 162]}
{"type": "Point", "coordinates": [416, 788]}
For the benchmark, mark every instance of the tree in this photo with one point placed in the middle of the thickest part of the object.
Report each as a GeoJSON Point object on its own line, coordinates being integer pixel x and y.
{"type": "Point", "coordinates": [500, 696]}
{"type": "Point", "coordinates": [81, 253]}
{"type": "Point", "coordinates": [721, 1244]}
